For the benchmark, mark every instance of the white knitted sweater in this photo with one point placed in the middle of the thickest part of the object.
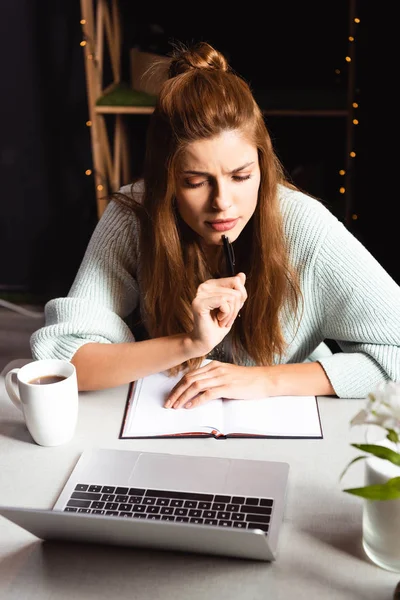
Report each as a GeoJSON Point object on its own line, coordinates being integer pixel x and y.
{"type": "Point", "coordinates": [348, 297]}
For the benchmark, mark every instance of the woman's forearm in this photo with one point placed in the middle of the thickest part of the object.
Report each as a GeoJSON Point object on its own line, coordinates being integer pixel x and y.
{"type": "Point", "coordinates": [101, 366]}
{"type": "Point", "coordinates": [299, 379]}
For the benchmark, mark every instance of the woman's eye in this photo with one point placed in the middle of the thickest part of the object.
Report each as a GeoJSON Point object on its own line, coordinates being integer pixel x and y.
{"type": "Point", "coordinates": [240, 178]}
{"type": "Point", "coordinates": [192, 184]}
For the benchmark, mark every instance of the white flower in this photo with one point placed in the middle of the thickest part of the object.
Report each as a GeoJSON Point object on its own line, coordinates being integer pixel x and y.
{"type": "Point", "coordinates": [382, 408]}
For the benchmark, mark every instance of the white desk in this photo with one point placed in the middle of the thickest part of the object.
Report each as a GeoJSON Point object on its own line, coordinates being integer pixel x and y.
{"type": "Point", "coordinates": [320, 554]}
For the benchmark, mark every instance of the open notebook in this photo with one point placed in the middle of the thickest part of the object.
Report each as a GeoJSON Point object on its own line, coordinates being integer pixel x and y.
{"type": "Point", "coordinates": [279, 416]}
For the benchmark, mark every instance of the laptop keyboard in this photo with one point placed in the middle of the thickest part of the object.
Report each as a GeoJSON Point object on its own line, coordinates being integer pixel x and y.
{"type": "Point", "coordinates": [167, 505]}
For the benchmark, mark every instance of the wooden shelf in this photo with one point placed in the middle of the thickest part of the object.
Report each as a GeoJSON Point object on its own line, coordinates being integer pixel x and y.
{"type": "Point", "coordinates": [124, 110]}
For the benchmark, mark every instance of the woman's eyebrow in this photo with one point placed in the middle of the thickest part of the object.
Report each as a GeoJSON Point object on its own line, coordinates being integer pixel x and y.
{"type": "Point", "coordinates": [249, 164]}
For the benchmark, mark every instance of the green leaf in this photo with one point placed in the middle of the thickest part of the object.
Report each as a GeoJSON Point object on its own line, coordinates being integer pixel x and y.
{"type": "Point", "coordinates": [350, 463]}
{"type": "Point", "coordinates": [380, 452]}
{"type": "Point", "coordinates": [386, 491]}
{"type": "Point", "coordinates": [392, 436]}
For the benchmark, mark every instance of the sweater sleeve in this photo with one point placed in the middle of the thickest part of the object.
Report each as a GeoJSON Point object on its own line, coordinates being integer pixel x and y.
{"type": "Point", "coordinates": [361, 312]}
{"type": "Point", "coordinates": [103, 294]}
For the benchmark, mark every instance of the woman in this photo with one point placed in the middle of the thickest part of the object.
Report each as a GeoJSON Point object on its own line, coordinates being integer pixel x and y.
{"type": "Point", "coordinates": [210, 170]}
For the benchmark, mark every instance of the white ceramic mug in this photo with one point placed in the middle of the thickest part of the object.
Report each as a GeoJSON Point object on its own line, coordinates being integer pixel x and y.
{"type": "Point", "coordinates": [49, 406]}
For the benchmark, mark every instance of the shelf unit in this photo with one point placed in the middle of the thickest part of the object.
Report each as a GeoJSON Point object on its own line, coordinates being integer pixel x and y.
{"type": "Point", "coordinates": [111, 161]}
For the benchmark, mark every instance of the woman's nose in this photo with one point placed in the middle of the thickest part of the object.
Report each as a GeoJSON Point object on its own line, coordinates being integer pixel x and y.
{"type": "Point", "coordinates": [221, 199]}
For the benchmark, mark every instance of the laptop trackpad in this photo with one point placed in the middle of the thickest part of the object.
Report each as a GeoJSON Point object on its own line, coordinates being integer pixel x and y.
{"type": "Point", "coordinates": [198, 474]}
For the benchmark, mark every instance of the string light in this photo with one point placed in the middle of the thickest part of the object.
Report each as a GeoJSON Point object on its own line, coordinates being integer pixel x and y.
{"type": "Point", "coordinates": [88, 172]}
{"type": "Point", "coordinates": [349, 59]}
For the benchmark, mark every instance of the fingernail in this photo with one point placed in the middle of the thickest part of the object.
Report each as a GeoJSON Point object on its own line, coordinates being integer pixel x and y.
{"type": "Point", "coordinates": [188, 404]}
{"type": "Point", "coordinates": [167, 404]}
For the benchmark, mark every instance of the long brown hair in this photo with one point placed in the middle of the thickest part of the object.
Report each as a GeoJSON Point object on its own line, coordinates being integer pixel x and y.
{"type": "Point", "coordinates": [202, 98]}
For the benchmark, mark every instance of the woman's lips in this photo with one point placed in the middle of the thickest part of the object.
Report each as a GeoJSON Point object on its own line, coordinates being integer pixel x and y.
{"type": "Point", "coordinates": [225, 225]}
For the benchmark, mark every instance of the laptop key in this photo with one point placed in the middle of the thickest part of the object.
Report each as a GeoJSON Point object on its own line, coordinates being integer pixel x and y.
{"type": "Point", "coordinates": [108, 497]}
{"type": "Point", "coordinates": [108, 489]}
{"type": "Point", "coordinates": [121, 498]}
{"type": "Point", "coordinates": [125, 514]}
{"type": "Point", "coordinates": [179, 495]}
{"type": "Point", "coordinates": [134, 499]}
{"type": "Point", "coordinates": [79, 503]}
{"type": "Point", "coordinates": [259, 510]}
{"type": "Point", "coordinates": [85, 496]}
{"type": "Point", "coordinates": [162, 502]}
{"type": "Point", "coordinates": [263, 526]}
{"type": "Point", "coordinates": [266, 502]}
{"type": "Point", "coordinates": [153, 510]}
{"type": "Point", "coordinates": [240, 524]}
{"type": "Point", "coordinates": [181, 519]}
{"type": "Point", "coordinates": [210, 522]}
{"type": "Point", "coordinates": [149, 501]}
{"type": "Point", "coordinates": [121, 490]}
{"type": "Point", "coordinates": [220, 498]}
{"type": "Point", "coordinates": [176, 503]}
{"type": "Point", "coordinates": [237, 517]}
{"type": "Point", "coordinates": [70, 509]}
{"type": "Point", "coordinates": [258, 518]}
{"type": "Point", "coordinates": [84, 510]}
{"type": "Point", "coordinates": [223, 523]}
{"type": "Point", "coordinates": [94, 488]}
{"type": "Point", "coordinates": [166, 510]}
{"type": "Point", "coordinates": [97, 505]}
{"type": "Point", "coordinates": [238, 500]}
{"type": "Point", "coordinates": [81, 487]}
{"type": "Point", "coordinates": [112, 513]}
{"type": "Point", "coordinates": [98, 511]}
{"type": "Point", "coordinates": [125, 507]}
{"type": "Point", "coordinates": [209, 514]}
{"type": "Point", "coordinates": [136, 491]}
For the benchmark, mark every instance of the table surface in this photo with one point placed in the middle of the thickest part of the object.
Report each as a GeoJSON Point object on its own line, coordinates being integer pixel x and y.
{"type": "Point", "coordinates": [320, 555]}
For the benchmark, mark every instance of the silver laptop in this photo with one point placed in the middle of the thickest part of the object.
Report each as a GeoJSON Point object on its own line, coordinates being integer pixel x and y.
{"type": "Point", "coordinates": [220, 506]}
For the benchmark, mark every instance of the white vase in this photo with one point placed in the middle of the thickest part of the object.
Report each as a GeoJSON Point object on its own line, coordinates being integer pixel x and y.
{"type": "Point", "coordinates": [381, 518]}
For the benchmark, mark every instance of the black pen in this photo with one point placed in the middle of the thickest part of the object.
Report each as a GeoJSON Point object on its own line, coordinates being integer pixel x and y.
{"type": "Point", "coordinates": [229, 256]}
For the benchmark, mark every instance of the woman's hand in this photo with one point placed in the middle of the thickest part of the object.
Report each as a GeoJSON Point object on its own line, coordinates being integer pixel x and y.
{"type": "Point", "coordinates": [218, 380]}
{"type": "Point", "coordinates": [215, 308]}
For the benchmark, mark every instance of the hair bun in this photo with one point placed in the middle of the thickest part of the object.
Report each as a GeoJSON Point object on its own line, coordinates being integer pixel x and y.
{"type": "Point", "coordinates": [200, 56]}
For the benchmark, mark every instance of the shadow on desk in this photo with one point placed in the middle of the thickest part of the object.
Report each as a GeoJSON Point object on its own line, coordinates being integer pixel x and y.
{"type": "Point", "coordinates": [71, 570]}
{"type": "Point", "coordinates": [121, 572]}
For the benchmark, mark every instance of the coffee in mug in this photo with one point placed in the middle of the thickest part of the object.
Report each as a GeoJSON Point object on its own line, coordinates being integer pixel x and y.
{"type": "Point", "coordinates": [46, 392]}
{"type": "Point", "coordinates": [46, 379]}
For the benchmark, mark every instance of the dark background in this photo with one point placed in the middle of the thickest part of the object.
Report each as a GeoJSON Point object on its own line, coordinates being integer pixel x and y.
{"type": "Point", "coordinates": [288, 54]}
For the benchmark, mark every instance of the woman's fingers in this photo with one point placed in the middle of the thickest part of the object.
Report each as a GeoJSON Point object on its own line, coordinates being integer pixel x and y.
{"type": "Point", "coordinates": [196, 387]}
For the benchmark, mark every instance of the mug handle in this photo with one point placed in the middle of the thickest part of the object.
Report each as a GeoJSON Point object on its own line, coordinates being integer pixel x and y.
{"type": "Point", "coordinates": [11, 388]}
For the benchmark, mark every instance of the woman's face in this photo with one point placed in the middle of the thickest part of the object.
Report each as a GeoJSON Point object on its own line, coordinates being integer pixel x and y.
{"type": "Point", "coordinates": [217, 186]}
